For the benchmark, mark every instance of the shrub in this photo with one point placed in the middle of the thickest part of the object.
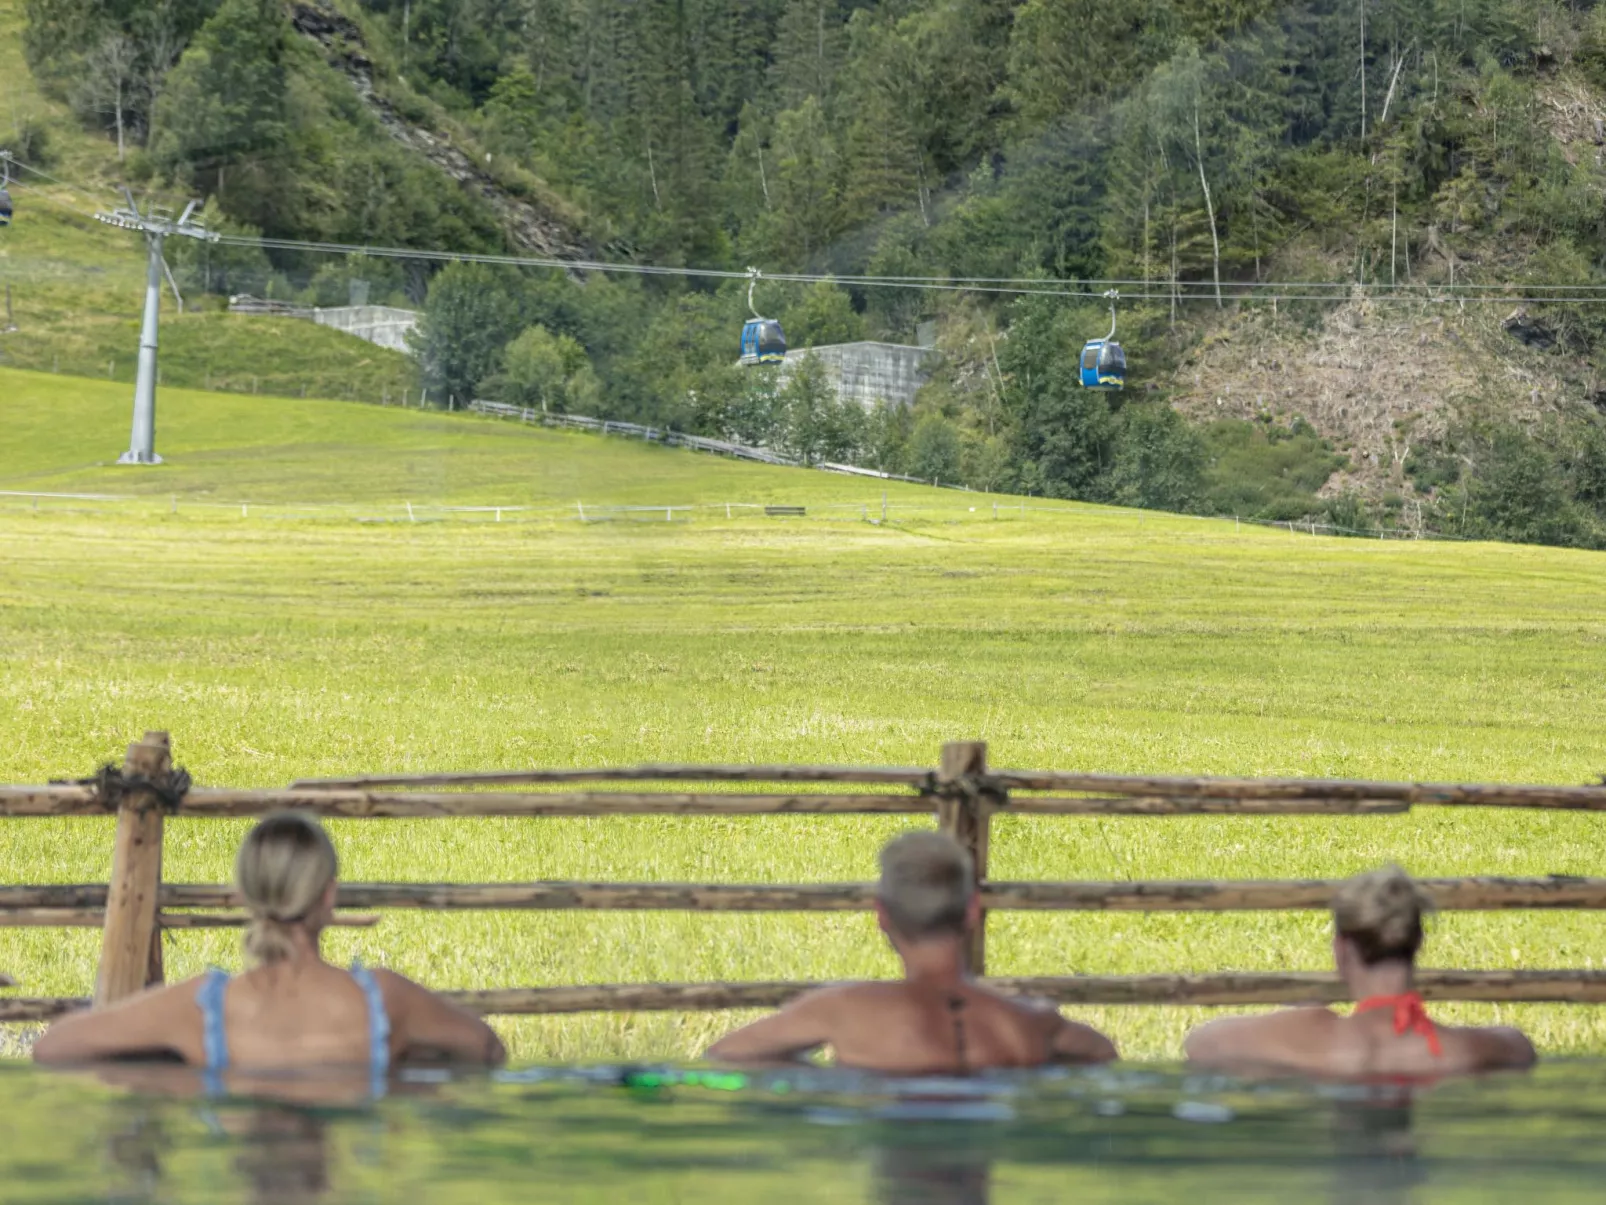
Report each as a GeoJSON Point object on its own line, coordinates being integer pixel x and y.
{"type": "Point", "coordinates": [1266, 471]}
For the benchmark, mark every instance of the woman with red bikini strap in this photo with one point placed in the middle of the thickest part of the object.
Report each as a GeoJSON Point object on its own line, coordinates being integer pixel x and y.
{"type": "Point", "coordinates": [1377, 931]}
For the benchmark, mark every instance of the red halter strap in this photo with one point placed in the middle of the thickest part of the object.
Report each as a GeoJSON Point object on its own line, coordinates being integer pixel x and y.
{"type": "Point", "coordinates": [1409, 1016]}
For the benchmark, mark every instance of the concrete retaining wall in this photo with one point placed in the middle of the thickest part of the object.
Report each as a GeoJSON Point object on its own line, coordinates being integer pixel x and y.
{"type": "Point", "coordinates": [378, 324]}
{"type": "Point", "coordinates": [869, 373]}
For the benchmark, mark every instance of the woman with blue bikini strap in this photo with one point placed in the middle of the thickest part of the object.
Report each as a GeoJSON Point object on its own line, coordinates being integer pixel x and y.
{"type": "Point", "coordinates": [290, 1009]}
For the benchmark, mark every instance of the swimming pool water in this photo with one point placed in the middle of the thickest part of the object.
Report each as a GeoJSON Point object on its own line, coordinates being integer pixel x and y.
{"type": "Point", "coordinates": [649, 1135]}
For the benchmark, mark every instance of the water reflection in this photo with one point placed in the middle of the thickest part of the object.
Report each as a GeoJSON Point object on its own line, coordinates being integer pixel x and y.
{"type": "Point", "coordinates": [144, 1134]}
{"type": "Point", "coordinates": [136, 1158]}
{"type": "Point", "coordinates": [922, 1168]}
{"type": "Point", "coordinates": [1375, 1149]}
{"type": "Point", "coordinates": [284, 1155]}
{"type": "Point", "coordinates": [277, 1128]}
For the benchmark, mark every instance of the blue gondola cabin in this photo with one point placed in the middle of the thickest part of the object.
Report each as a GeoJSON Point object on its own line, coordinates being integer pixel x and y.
{"type": "Point", "coordinates": [763, 342]}
{"type": "Point", "coordinates": [5, 208]}
{"type": "Point", "coordinates": [1103, 364]}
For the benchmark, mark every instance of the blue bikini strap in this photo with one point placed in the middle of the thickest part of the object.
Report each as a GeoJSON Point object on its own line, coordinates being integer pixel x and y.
{"type": "Point", "coordinates": [214, 1040]}
{"type": "Point", "coordinates": [378, 1023]}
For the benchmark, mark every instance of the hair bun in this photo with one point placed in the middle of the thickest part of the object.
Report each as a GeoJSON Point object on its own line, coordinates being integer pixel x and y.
{"type": "Point", "coordinates": [1381, 912]}
{"type": "Point", "coordinates": [283, 869]}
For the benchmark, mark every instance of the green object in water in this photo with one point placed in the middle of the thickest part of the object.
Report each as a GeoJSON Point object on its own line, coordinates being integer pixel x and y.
{"type": "Point", "coordinates": [720, 1081]}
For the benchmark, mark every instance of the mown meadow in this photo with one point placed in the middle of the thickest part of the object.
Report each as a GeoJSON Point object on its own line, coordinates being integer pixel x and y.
{"type": "Point", "coordinates": [276, 646]}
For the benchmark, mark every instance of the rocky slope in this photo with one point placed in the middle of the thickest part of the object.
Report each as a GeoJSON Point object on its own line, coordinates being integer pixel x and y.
{"type": "Point", "coordinates": [529, 227]}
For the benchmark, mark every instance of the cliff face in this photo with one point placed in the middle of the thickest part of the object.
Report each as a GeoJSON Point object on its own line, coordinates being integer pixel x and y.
{"type": "Point", "coordinates": [528, 226]}
{"type": "Point", "coordinates": [1377, 378]}
{"type": "Point", "coordinates": [1380, 377]}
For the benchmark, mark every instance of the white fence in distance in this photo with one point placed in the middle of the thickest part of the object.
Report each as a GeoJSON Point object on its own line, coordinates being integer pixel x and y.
{"type": "Point", "coordinates": [881, 510]}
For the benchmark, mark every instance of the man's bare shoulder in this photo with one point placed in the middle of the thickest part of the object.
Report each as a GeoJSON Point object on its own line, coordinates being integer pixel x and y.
{"type": "Point", "coordinates": [1031, 1005]}
{"type": "Point", "coordinates": [831, 998]}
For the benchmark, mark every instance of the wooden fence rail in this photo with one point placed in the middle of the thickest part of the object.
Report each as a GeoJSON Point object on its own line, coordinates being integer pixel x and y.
{"type": "Point", "coordinates": [1449, 895]}
{"type": "Point", "coordinates": [136, 905]}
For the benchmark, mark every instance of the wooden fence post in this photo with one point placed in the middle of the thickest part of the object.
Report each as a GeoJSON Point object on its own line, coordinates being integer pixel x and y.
{"type": "Point", "coordinates": [131, 944]}
{"type": "Point", "coordinates": [964, 815]}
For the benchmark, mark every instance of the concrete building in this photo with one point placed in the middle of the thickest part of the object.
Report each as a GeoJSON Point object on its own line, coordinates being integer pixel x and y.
{"type": "Point", "coordinates": [869, 373]}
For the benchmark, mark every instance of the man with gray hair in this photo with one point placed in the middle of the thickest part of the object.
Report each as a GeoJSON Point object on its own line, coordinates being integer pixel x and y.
{"type": "Point", "coordinates": [936, 1020]}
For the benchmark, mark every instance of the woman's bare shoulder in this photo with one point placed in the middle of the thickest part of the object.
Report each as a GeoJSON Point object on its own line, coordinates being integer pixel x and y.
{"type": "Point", "coordinates": [1289, 1035]}
{"type": "Point", "coordinates": [1490, 1047]}
{"type": "Point", "coordinates": [395, 986]}
{"type": "Point", "coordinates": [401, 993]}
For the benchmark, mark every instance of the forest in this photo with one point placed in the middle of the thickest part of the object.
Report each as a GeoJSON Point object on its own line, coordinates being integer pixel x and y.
{"type": "Point", "coordinates": [1195, 149]}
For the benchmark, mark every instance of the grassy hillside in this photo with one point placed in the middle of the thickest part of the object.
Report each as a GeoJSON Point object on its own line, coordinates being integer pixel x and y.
{"type": "Point", "coordinates": [77, 289]}
{"type": "Point", "coordinates": [224, 447]}
{"type": "Point", "coordinates": [937, 140]}
{"type": "Point", "coordinates": [77, 286]}
{"type": "Point", "coordinates": [1085, 639]}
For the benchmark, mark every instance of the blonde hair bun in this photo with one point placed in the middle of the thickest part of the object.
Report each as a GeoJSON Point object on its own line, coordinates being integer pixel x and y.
{"type": "Point", "coordinates": [284, 866]}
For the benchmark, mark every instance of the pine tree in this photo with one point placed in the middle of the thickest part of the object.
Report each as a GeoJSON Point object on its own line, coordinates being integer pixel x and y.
{"type": "Point", "coordinates": [1063, 53]}
{"type": "Point", "coordinates": [223, 112]}
{"type": "Point", "coordinates": [809, 47]}
{"type": "Point", "coordinates": [807, 187]}
{"type": "Point", "coordinates": [883, 162]}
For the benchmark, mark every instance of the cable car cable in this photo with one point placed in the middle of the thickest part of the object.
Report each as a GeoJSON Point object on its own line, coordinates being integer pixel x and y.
{"type": "Point", "coordinates": [91, 193]}
{"type": "Point", "coordinates": [45, 196]}
{"type": "Point", "coordinates": [1233, 291]}
{"type": "Point", "coordinates": [1329, 291]}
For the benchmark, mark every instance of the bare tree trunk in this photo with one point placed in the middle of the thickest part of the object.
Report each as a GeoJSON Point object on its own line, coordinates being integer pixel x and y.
{"type": "Point", "coordinates": [1173, 272]}
{"type": "Point", "coordinates": [652, 174]}
{"type": "Point", "coordinates": [1394, 79]}
{"type": "Point", "coordinates": [763, 180]}
{"type": "Point", "coordinates": [819, 51]}
{"type": "Point", "coordinates": [117, 105]}
{"type": "Point", "coordinates": [998, 390]}
{"type": "Point", "coordinates": [1394, 228]}
{"type": "Point", "coordinates": [1361, 5]}
{"type": "Point", "coordinates": [1210, 208]}
{"type": "Point", "coordinates": [1254, 223]}
{"type": "Point", "coordinates": [1145, 236]}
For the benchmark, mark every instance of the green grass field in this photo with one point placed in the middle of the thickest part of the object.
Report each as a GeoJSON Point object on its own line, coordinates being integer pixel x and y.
{"type": "Point", "coordinates": [274, 647]}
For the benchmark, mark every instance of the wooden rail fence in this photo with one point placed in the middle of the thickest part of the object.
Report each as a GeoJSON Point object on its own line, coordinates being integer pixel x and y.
{"type": "Point", "coordinates": [963, 793]}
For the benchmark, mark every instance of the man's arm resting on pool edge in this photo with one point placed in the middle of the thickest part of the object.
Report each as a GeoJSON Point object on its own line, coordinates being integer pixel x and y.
{"type": "Point", "coordinates": [798, 1029]}
{"type": "Point", "coordinates": [1073, 1042]}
